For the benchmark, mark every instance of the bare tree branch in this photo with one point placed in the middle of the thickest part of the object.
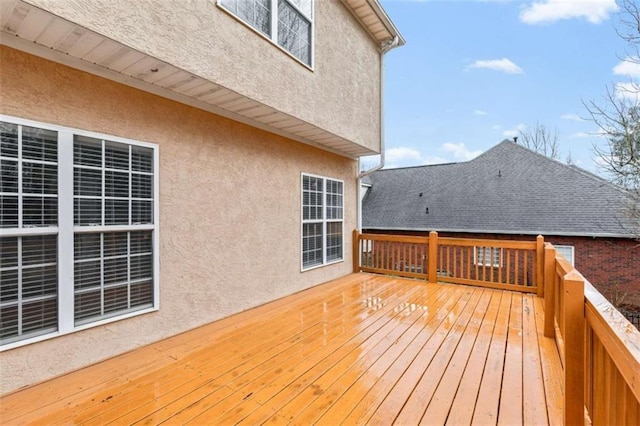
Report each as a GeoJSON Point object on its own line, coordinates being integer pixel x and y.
{"type": "Point", "coordinates": [542, 140]}
{"type": "Point", "coordinates": [618, 118]}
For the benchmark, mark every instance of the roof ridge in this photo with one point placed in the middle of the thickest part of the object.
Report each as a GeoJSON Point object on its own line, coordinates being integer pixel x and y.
{"type": "Point", "coordinates": [419, 166]}
{"type": "Point", "coordinates": [573, 167]}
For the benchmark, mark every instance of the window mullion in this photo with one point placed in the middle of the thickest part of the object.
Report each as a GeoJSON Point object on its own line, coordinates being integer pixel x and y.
{"type": "Point", "coordinates": [104, 178]}
{"type": "Point", "coordinates": [129, 223]}
{"type": "Point", "coordinates": [274, 20]}
{"type": "Point", "coordinates": [20, 319]}
{"type": "Point", "coordinates": [325, 214]}
{"type": "Point", "coordinates": [19, 177]}
{"type": "Point", "coordinates": [102, 274]}
{"type": "Point", "coordinates": [65, 232]}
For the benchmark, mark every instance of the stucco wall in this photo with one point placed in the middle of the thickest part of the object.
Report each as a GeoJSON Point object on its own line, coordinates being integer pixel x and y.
{"type": "Point", "coordinates": [341, 94]}
{"type": "Point", "coordinates": [229, 209]}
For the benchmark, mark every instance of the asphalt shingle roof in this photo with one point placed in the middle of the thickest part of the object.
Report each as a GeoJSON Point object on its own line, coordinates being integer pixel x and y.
{"type": "Point", "coordinates": [508, 189]}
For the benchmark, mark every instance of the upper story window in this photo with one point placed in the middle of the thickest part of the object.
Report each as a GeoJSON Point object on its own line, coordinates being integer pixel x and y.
{"type": "Point", "coordinates": [288, 23]}
{"type": "Point", "coordinates": [78, 230]}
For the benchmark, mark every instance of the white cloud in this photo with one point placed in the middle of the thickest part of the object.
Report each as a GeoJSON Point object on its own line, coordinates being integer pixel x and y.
{"type": "Point", "coordinates": [496, 127]}
{"type": "Point", "coordinates": [548, 11]}
{"type": "Point", "coordinates": [503, 65]}
{"type": "Point", "coordinates": [460, 151]}
{"type": "Point", "coordinates": [571, 117]}
{"type": "Point", "coordinates": [404, 156]}
{"type": "Point", "coordinates": [480, 112]}
{"type": "Point", "coordinates": [628, 91]}
{"type": "Point", "coordinates": [509, 133]}
{"type": "Point", "coordinates": [447, 153]}
{"type": "Point", "coordinates": [630, 67]}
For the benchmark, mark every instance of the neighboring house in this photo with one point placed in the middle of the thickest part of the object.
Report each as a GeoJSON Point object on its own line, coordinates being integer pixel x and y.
{"type": "Point", "coordinates": [165, 165]}
{"type": "Point", "coordinates": [511, 192]}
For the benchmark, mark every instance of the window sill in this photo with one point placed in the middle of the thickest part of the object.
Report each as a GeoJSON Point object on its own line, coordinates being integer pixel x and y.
{"type": "Point", "coordinates": [311, 268]}
{"type": "Point", "coordinates": [53, 335]}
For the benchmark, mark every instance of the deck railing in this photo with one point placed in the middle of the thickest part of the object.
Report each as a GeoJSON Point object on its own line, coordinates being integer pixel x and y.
{"type": "Point", "coordinates": [598, 347]}
{"type": "Point", "coordinates": [507, 265]}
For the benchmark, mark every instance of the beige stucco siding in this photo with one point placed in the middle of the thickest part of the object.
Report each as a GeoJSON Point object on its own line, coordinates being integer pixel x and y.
{"type": "Point", "coordinates": [229, 209]}
{"type": "Point", "coordinates": [341, 94]}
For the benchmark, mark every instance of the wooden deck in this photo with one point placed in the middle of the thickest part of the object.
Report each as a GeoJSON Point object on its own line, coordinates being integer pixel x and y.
{"type": "Point", "coordinates": [362, 349]}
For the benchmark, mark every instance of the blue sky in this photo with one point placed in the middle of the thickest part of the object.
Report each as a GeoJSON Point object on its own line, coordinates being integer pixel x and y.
{"type": "Point", "coordinates": [474, 72]}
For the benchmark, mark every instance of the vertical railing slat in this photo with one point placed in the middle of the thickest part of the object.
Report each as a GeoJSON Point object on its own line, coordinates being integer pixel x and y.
{"type": "Point", "coordinates": [549, 293]}
{"type": "Point", "coordinates": [539, 265]}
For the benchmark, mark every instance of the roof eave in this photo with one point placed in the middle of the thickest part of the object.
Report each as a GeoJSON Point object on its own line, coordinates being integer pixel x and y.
{"type": "Point", "coordinates": [26, 27]}
{"type": "Point", "coordinates": [505, 232]}
{"type": "Point", "coordinates": [375, 20]}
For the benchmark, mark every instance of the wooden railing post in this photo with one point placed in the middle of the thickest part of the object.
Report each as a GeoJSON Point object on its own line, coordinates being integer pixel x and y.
{"type": "Point", "coordinates": [356, 251]}
{"type": "Point", "coordinates": [549, 292]}
{"type": "Point", "coordinates": [433, 257]}
{"type": "Point", "coordinates": [540, 265]}
{"type": "Point", "coordinates": [574, 323]}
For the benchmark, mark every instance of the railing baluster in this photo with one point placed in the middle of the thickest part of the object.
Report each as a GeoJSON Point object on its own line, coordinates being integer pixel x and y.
{"type": "Point", "coordinates": [516, 263]}
{"type": "Point", "coordinates": [525, 281]}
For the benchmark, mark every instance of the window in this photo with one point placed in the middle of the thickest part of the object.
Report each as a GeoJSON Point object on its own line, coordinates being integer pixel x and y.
{"type": "Point", "coordinates": [28, 231]}
{"type": "Point", "coordinates": [288, 23]}
{"type": "Point", "coordinates": [322, 221]}
{"type": "Point", "coordinates": [78, 240]}
{"type": "Point", "coordinates": [488, 256]}
{"type": "Point", "coordinates": [567, 252]}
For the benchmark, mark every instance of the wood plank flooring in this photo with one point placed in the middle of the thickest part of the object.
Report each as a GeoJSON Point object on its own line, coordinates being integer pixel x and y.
{"type": "Point", "coordinates": [364, 349]}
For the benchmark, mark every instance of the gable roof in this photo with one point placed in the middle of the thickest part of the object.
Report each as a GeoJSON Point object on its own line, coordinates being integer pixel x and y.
{"type": "Point", "coordinates": [508, 190]}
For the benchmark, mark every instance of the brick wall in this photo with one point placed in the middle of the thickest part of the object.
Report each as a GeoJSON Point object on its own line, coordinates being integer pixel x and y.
{"type": "Point", "coordinates": [612, 265]}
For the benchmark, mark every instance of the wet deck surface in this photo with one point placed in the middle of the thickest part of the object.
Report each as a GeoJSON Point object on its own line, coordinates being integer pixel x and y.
{"type": "Point", "coordinates": [364, 349]}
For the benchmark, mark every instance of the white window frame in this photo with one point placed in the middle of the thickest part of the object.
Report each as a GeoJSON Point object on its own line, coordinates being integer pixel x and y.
{"type": "Point", "coordinates": [273, 37]}
{"type": "Point", "coordinates": [324, 221]}
{"type": "Point", "coordinates": [496, 253]}
{"type": "Point", "coordinates": [66, 230]}
{"type": "Point", "coordinates": [570, 249]}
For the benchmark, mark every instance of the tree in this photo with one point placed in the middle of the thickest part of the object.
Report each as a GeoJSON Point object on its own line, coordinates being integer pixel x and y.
{"type": "Point", "coordinates": [618, 118]}
{"type": "Point", "coordinates": [618, 121]}
{"type": "Point", "coordinates": [542, 140]}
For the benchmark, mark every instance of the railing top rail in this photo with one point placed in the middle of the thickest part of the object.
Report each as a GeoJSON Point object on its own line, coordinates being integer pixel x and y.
{"type": "Point", "coordinates": [620, 337]}
{"type": "Point", "coordinates": [476, 242]}
{"type": "Point", "coordinates": [563, 267]}
{"type": "Point", "coordinates": [395, 238]}
{"type": "Point", "coordinates": [466, 242]}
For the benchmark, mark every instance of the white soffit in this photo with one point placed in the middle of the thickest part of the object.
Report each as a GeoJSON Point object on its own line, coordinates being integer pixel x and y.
{"type": "Point", "coordinates": [30, 29]}
{"type": "Point", "coordinates": [375, 20]}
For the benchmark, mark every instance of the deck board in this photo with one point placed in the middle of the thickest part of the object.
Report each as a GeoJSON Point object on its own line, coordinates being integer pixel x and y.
{"type": "Point", "coordinates": [364, 349]}
{"type": "Point", "coordinates": [510, 411]}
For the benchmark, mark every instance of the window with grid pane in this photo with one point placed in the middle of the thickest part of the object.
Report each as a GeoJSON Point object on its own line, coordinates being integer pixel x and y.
{"type": "Point", "coordinates": [288, 23]}
{"type": "Point", "coordinates": [28, 231]}
{"type": "Point", "coordinates": [567, 252]}
{"type": "Point", "coordinates": [79, 207]}
{"type": "Point", "coordinates": [488, 256]}
{"type": "Point", "coordinates": [322, 221]}
{"type": "Point", "coordinates": [113, 187]}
